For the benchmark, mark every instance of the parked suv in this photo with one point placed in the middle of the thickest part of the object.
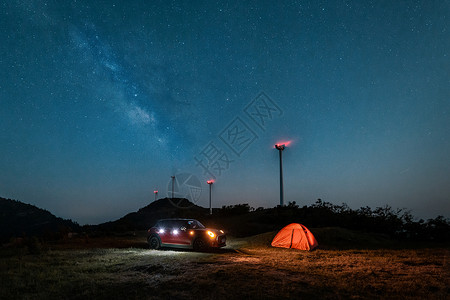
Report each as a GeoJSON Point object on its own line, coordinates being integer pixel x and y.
{"type": "Point", "coordinates": [184, 233]}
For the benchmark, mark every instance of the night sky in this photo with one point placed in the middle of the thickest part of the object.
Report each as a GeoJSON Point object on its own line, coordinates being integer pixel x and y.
{"type": "Point", "coordinates": [102, 101]}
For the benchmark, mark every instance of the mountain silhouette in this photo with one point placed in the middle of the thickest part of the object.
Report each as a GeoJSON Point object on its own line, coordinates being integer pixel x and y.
{"type": "Point", "coordinates": [18, 219]}
{"type": "Point", "coordinates": [147, 216]}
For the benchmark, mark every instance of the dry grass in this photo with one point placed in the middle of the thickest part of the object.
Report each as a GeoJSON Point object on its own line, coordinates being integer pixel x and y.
{"type": "Point", "coordinates": [255, 270]}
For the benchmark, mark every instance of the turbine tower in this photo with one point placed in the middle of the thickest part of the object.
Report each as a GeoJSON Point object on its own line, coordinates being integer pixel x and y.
{"type": "Point", "coordinates": [210, 182]}
{"type": "Point", "coordinates": [173, 184]}
{"type": "Point", "coordinates": [280, 148]}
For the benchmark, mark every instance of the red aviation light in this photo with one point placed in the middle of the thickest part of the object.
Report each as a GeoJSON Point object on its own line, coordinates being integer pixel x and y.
{"type": "Point", "coordinates": [282, 145]}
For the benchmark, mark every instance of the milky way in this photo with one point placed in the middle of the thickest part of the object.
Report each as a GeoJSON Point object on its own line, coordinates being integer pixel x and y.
{"type": "Point", "coordinates": [100, 103]}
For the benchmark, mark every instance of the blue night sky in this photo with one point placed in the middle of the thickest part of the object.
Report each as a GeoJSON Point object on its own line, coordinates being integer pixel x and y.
{"type": "Point", "coordinates": [102, 101]}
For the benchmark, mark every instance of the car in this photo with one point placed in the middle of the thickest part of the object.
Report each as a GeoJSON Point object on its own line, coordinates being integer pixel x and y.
{"type": "Point", "coordinates": [184, 233]}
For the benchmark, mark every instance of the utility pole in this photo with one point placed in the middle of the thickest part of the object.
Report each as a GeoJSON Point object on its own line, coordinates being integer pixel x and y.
{"type": "Point", "coordinates": [280, 148]}
{"type": "Point", "coordinates": [210, 182]}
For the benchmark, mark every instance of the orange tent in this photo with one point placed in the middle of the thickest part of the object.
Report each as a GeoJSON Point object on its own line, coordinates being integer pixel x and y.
{"type": "Point", "coordinates": [295, 236]}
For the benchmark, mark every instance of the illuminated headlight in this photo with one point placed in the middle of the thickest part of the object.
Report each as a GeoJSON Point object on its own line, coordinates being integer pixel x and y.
{"type": "Point", "coordinates": [161, 230]}
{"type": "Point", "coordinates": [211, 234]}
{"type": "Point", "coordinates": [221, 231]}
{"type": "Point", "coordinates": [191, 232]}
{"type": "Point", "coordinates": [175, 232]}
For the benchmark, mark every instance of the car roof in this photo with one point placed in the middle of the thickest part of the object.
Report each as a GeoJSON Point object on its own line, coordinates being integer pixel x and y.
{"type": "Point", "coordinates": [177, 219]}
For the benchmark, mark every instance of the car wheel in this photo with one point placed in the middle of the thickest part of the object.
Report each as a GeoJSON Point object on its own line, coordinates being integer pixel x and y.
{"type": "Point", "coordinates": [154, 242]}
{"type": "Point", "coordinates": [200, 245]}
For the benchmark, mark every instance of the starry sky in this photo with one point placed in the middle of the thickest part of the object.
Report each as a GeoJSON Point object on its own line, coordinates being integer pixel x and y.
{"type": "Point", "coordinates": [101, 102]}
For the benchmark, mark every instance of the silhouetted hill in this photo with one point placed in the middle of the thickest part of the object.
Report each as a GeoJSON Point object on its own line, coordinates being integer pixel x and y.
{"type": "Point", "coordinates": [18, 219]}
{"type": "Point", "coordinates": [147, 216]}
{"type": "Point", "coordinates": [242, 220]}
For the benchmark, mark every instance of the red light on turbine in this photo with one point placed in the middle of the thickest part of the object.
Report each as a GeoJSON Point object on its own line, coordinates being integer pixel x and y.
{"type": "Point", "coordinates": [210, 181]}
{"type": "Point", "coordinates": [280, 144]}
{"type": "Point", "coordinates": [156, 192]}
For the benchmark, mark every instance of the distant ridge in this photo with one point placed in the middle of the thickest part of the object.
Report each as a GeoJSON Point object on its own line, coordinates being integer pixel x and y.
{"type": "Point", "coordinates": [18, 219]}
{"type": "Point", "coordinates": [147, 216]}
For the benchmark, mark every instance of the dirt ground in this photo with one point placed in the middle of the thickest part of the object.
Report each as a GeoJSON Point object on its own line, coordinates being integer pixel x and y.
{"type": "Point", "coordinates": [123, 268]}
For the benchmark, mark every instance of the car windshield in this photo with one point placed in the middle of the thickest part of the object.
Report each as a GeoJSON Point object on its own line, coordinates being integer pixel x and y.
{"type": "Point", "coordinates": [194, 224]}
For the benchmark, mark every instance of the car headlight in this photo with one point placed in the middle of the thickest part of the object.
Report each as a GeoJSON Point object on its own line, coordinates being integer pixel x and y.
{"type": "Point", "coordinates": [221, 231]}
{"type": "Point", "coordinates": [161, 230]}
{"type": "Point", "coordinates": [211, 234]}
{"type": "Point", "coordinates": [175, 232]}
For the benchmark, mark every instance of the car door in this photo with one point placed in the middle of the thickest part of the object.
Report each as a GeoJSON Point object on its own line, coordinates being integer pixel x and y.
{"type": "Point", "coordinates": [178, 233]}
{"type": "Point", "coordinates": [173, 233]}
{"type": "Point", "coordinates": [184, 235]}
{"type": "Point", "coordinates": [163, 232]}
{"type": "Point", "coordinates": [170, 232]}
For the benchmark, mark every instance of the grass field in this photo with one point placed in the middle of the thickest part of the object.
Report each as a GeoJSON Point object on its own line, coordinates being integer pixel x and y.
{"type": "Point", "coordinates": [122, 267]}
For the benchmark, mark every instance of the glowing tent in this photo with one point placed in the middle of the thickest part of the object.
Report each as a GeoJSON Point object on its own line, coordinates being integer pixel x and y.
{"type": "Point", "coordinates": [295, 236]}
